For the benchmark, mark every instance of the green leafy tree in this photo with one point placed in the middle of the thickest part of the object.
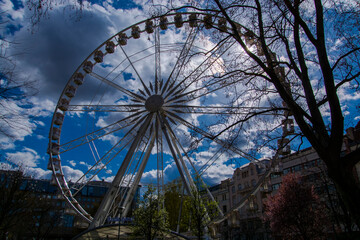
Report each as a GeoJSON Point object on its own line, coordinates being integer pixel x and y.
{"type": "Point", "coordinates": [150, 218]}
{"type": "Point", "coordinates": [174, 201]}
{"type": "Point", "coordinates": [201, 210]}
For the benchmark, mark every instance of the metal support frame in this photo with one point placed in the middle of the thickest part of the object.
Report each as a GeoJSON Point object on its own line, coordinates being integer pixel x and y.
{"type": "Point", "coordinates": [107, 202]}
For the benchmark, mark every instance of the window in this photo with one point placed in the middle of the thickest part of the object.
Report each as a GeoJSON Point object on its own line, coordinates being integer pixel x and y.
{"type": "Point", "coordinates": [275, 175]}
{"type": "Point", "coordinates": [251, 171]}
{"type": "Point", "coordinates": [84, 191]}
{"type": "Point", "coordinates": [253, 182]}
{"type": "Point", "coordinates": [90, 191]}
{"type": "Point", "coordinates": [233, 189]}
{"type": "Point", "coordinates": [224, 209]}
{"type": "Point", "coordinates": [224, 197]}
{"type": "Point", "coordinates": [297, 168]}
{"type": "Point", "coordinates": [245, 174]}
{"type": "Point", "coordinates": [276, 186]}
{"type": "Point", "coordinates": [239, 187]}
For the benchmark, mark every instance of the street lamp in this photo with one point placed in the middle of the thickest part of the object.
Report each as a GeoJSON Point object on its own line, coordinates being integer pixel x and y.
{"type": "Point", "coordinates": [121, 208]}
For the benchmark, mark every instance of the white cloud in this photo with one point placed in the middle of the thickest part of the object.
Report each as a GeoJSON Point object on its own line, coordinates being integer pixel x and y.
{"type": "Point", "coordinates": [25, 158]}
{"type": "Point", "coordinates": [71, 174]}
{"type": "Point", "coordinates": [16, 123]}
{"type": "Point", "coordinates": [7, 7]}
{"type": "Point", "coordinates": [72, 163]}
{"type": "Point", "coordinates": [38, 173]}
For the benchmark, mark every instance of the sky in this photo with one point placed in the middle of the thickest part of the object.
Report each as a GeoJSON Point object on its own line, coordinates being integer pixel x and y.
{"type": "Point", "coordinates": [49, 53]}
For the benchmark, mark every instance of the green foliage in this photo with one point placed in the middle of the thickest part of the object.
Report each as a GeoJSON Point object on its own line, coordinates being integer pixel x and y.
{"type": "Point", "coordinates": [172, 202]}
{"type": "Point", "coordinates": [197, 211]}
{"type": "Point", "coordinates": [201, 211]}
{"type": "Point", "coordinates": [150, 219]}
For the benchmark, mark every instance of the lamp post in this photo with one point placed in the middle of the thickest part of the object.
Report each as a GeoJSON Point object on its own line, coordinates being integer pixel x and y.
{"type": "Point", "coordinates": [121, 208]}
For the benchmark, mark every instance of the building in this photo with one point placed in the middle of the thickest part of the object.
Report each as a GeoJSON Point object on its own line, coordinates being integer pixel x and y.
{"type": "Point", "coordinates": [245, 222]}
{"type": "Point", "coordinates": [41, 211]}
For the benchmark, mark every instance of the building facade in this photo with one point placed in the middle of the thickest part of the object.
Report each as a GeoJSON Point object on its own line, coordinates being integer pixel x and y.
{"type": "Point", "coordinates": [46, 214]}
{"type": "Point", "coordinates": [246, 221]}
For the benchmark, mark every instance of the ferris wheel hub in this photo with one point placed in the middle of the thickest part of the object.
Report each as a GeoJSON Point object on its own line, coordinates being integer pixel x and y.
{"type": "Point", "coordinates": [154, 103]}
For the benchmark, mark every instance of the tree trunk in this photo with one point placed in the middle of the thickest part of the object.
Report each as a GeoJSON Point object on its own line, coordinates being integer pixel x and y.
{"type": "Point", "coordinates": [345, 184]}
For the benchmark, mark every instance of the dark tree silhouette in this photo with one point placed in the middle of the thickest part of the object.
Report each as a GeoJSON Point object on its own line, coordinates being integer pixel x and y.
{"type": "Point", "coordinates": [297, 57]}
{"type": "Point", "coordinates": [303, 54]}
{"type": "Point", "coordinates": [306, 43]}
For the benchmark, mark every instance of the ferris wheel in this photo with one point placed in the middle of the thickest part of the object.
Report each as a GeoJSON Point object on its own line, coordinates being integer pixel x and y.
{"type": "Point", "coordinates": [155, 93]}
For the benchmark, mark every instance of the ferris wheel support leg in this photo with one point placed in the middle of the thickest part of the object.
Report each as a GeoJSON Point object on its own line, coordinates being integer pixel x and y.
{"type": "Point", "coordinates": [185, 169]}
{"type": "Point", "coordinates": [185, 181]}
{"type": "Point", "coordinates": [107, 202]}
{"type": "Point", "coordinates": [134, 186]}
{"type": "Point", "coordinates": [202, 181]}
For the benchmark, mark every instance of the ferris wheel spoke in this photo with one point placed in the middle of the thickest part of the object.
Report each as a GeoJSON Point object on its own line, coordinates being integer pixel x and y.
{"type": "Point", "coordinates": [214, 138]}
{"type": "Point", "coordinates": [180, 63]}
{"type": "Point", "coordinates": [202, 91]}
{"type": "Point", "coordinates": [157, 60]}
{"type": "Point", "coordinates": [89, 137]}
{"type": "Point", "coordinates": [135, 184]}
{"type": "Point", "coordinates": [128, 181]}
{"type": "Point", "coordinates": [194, 75]}
{"type": "Point", "coordinates": [111, 154]}
{"type": "Point", "coordinates": [95, 169]}
{"type": "Point", "coordinates": [106, 108]}
{"type": "Point", "coordinates": [116, 86]}
{"type": "Point", "coordinates": [178, 108]}
{"type": "Point", "coordinates": [175, 144]}
{"type": "Point", "coordinates": [188, 187]}
{"type": "Point", "coordinates": [137, 73]}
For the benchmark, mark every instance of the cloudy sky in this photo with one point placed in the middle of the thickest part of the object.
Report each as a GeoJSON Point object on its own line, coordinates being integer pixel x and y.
{"type": "Point", "coordinates": [49, 53]}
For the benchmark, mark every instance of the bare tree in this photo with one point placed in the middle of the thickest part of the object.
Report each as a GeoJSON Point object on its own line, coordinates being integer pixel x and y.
{"type": "Point", "coordinates": [16, 204]}
{"type": "Point", "coordinates": [298, 55]}
{"type": "Point", "coordinates": [14, 91]}
{"type": "Point", "coordinates": [304, 39]}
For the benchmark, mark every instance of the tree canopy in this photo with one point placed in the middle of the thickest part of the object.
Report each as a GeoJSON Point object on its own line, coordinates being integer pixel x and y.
{"type": "Point", "coordinates": [150, 218]}
{"type": "Point", "coordinates": [296, 212]}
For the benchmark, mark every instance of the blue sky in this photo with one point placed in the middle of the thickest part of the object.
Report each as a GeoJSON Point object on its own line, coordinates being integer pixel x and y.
{"type": "Point", "coordinates": [51, 52]}
{"type": "Point", "coordinates": [48, 54]}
